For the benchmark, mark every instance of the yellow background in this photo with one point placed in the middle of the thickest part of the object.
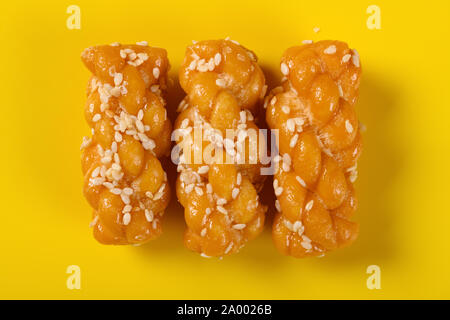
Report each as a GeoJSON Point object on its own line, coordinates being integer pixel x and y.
{"type": "Point", "coordinates": [403, 181]}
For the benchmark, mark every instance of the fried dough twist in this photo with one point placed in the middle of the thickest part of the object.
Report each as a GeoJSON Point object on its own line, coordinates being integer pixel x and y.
{"type": "Point", "coordinates": [319, 144]}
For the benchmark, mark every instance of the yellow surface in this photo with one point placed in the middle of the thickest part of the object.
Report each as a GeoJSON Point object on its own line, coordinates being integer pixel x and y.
{"type": "Point", "coordinates": [404, 172]}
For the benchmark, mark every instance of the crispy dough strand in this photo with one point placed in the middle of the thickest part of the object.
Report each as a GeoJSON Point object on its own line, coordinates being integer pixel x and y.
{"type": "Point", "coordinates": [319, 144]}
{"type": "Point", "coordinates": [224, 85]}
{"type": "Point", "coordinates": [124, 181]}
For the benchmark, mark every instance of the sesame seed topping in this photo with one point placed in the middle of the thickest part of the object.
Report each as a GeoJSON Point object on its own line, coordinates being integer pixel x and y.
{"type": "Point", "coordinates": [189, 188]}
{"type": "Point", "coordinates": [286, 109]}
{"type": "Point", "coordinates": [142, 43]}
{"type": "Point", "coordinates": [117, 136]}
{"type": "Point", "coordinates": [278, 191]}
{"type": "Point", "coordinates": [127, 191]}
{"type": "Point", "coordinates": [199, 191]}
{"type": "Point", "coordinates": [221, 201]}
{"type": "Point", "coordinates": [301, 181]}
{"type": "Point", "coordinates": [239, 226]}
{"type": "Point", "coordinates": [203, 169]}
{"type": "Point", "coordinates": [330, 50]}
{"type": "Point", "coordinates": [293, 141]}
{"type": "Point", "coordinates": [309, 205]}
{"type": "Point", "coordinates": [355, 58]}
{"type": "Point", "coordinates": [273, 101]}
{"type": "Point", "coordinates": [228, 249]}
{"type": "Point", "coordinates": [149, 215]}
{"type": "Point", "coordinates": [222, 210]}
{"type": "Point", "coordinates": [217, 59]}
{"type": "Point", "coordinates": [341, 93]}
{"type": "Point", "coordinates": [346, 58]}
{"type": "Point", "coordinates": [96, 117]}
{"type": "Point", "coordinates": [116, 191]}
{"type": "Point", "coordinates": [277, 205]}
{"type": "Point", "coordinates": [284, 69]}
{"type": "Point", "coordinates": [126, 218]}
{"type": "Point", "coordinates": [156, 72]}
{"type": "Point", "coordinates": [348, 126]}
{"type": "Point", "coordinates": [221, 83]}
{"type": "Point", "coordinates": [235, 193]}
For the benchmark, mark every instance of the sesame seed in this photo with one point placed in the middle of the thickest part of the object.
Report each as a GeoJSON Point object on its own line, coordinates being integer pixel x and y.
{"type": "Point", "coordinates": [116, 191]}
{"type": "Point", "coordinates": [297, 225]}
{"type": "Point", "coordinates": [142, 43]}
{"type": "Point", "coordinates": [309, 205]}
{"type": "Point", "coordinates": [192, 65]}
{"type": "Point", "coordinates": [95, 172]}
{"type": "Point", "coordinates": [156, 72]}
{"type": "Point", "coordinates": [301, 181]}
{"type": "Point", "coordinates": [126, 218]}
{"type": "Point", "coordinates": [189, 188]}
{"type": "Point", "coordinates": [222, 210]}
{"type": "Point", "coordinates": [118, 77]}
{"type": "Point", "coordinates": [293, 141]}
{"type": "Point", "coordinates": [204, 255]}
{"type": "Point", "coordinates": [199, 191]}
{"type": "Point", "coordinates": [278, 191]}
{"type": "Point", "coordinates": [235, 193]}
{"type": "Point", "coordinates": [203, 232]}
{"type": "Point", "coordinates": [217, 59]}
{"type": "Point", "coordinates": [140, 114]}
{"type": "Point", "coordinates": [286, 109]}
{"type": "Point", "coordinates": [127, 208]}
{"type": "Point", "coordinates": [290, 125]}
{"type": "Point", "coordinates": [221, 201]}
{"type": "Point", "coordinates": [228, 249]}
{"type": "Point", "coordinates": [341, 94]}
{"type": "Point", "coordinates": [346, 58]}
{"type": "Point", "coordinates": [239, 226]}
{"type": "Point", "coordinates": [348, 126]}
{"type": "Point", "coordinates": [149, 215]}
{"type": "Point", "coordinates": [284, 69]}
{"type": "Point", "coordinates": [330, 50]}
{"type": "Point", "coordinates": [209, 188]}
{"type": "Point", "coordinates": [118, 137]}
{"type": "Point", "coordinates": [239, 179]}
{"type": "Point", "coordinates": [277, 205]}
{"type": "Point", "coordinates": [125, 198]}
{"type": "Point", "coordinates": [96, 117]}
{"type": "Point", "coordinates": [221, 83]}
{"type": "Point", "coordinates": [127, 191]}
{"type": "Point", "coordinates": [203, 169]}
{"type": "Point", "coordinates": [306, 245]}
{"type": "Point", "coordinates": [355, 58]}
{"type": "Point", "coordinates": [273, 101]}
{"type": "Point", "coordinates": [288, 224]}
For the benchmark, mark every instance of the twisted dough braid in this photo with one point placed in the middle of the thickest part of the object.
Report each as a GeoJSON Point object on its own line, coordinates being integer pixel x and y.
{"type": "Point", "coordinates": [123, 178]}
{"type": "Point", "coordinates": [222, 209]}
{"type": "Point", "coordinates": [319, 144]}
